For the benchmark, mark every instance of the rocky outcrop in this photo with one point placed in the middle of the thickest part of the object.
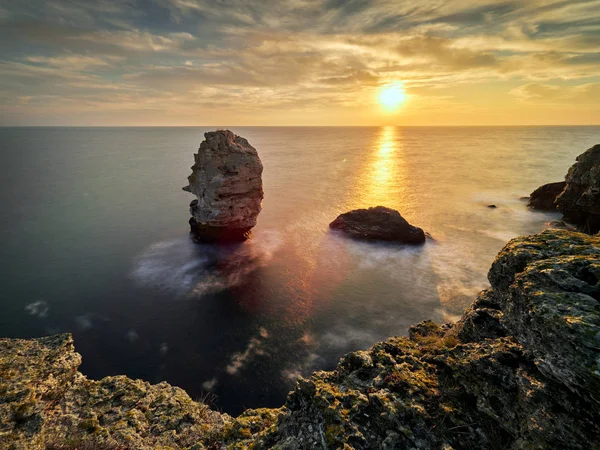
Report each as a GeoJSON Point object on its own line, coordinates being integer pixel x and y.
{"type": "Point", "coordinates": [543, 198]}
{"type": "Point", "coordinates": [378, 223]}
{"type": "Point", "coordinates": [580, 200]}
{"type": "Point", "coordinates": [46, 403]}
{"type": "Point", "coordinates": [226, 179]}
{"type": "Point", "coordinates": [578, 197]}
{"type": "Point", "coordinates": [520, 370]}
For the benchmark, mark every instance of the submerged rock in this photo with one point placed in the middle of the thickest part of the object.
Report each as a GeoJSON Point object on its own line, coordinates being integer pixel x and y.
{"type": "Point", "coordinates": [520, 370]}
{"type": "Point", "coordinates": [544, 197]}
{"type": "Point", "coordinates": [561, 225]}
{"type": "Point", "coordinates": [580, 200]}
{"type": "Point", "coordinates": [226, 179]}
{"type": "Point", "coordinates": [378, 223]}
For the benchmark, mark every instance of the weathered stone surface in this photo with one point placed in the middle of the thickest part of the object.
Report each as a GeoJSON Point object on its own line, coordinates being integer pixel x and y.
{"type": "Point", "coordinates": [544, 197]}
{"type": "Point", "coordinates": [46, 403]}
{"type": "Point", "coordinates": [519, 371]}
{"type": "Point", "coordinates": [378, 223]}
{"type": "Point", "coordinates": [580, 200]}
{"type": "Point", "coordinates": [227, 181]}
{"type": "Point", "coordinates": [520, 252]}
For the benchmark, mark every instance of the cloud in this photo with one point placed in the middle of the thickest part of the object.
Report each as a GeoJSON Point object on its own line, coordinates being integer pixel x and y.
{"type": "Point", "coordinates": [546, 93]}
{"type": "Point", "coordinates": [294, 55]}
{"type": "Point", "coordinates": [538, 92]}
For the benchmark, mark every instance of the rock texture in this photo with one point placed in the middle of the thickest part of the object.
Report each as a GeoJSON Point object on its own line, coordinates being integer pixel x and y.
{"type": "Point", "coordinates": [580, 200]}
{"type": "Point", "coordinates": [519, 371]}
{"type": "Point", "coordinates": [378, 223]}
{"type": "Point", "coordinates": [543, 198]}
{"type": "Point", "coordinates": [46, 403]}
{"type": "Point", "coordinates": [578, 197]}
{"type": "Point", "coordinates": [226, 179]}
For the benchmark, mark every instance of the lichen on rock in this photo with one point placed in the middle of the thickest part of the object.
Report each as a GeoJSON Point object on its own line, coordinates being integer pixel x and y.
{"type": "Point", "coordinates": [519, 371]}
{"type": "Point", "coordinates": [45, 402]}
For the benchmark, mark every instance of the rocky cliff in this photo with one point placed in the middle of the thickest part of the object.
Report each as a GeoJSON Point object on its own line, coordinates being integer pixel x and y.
{"type": "Point", "coordinates": [578, 197]}
{"type": "Point", "coordinates": [226, 179]}
{"type": "Point", "coordinates": [580, 200]}
{"type": "Point", "coordinates": [520, 370]}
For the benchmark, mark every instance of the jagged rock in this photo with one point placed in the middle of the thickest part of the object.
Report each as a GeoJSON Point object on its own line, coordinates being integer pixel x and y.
{"type": "Point", "coordinates": [378, 223]}
{"type": "Point", "coordinates": [520, 370]}
{"type": "Point", "coordinates": [580, 200]}
{"type": "Point", "coordinates": [226, 179]}
{"type": "Point", "coordinates": [550, 284]}
{"type": "Point", "coordinates": [45, 403]}
{"type": "Point", "coordinates": [544, 197]}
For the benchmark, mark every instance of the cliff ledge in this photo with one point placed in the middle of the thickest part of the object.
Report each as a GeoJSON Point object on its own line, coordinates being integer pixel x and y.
{"type": "Point", "coordinates": [520, 370]}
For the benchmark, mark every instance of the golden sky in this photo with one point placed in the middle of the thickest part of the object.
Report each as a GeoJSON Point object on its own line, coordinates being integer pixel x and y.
{"type": "Point", "coordinates": [299, 62]}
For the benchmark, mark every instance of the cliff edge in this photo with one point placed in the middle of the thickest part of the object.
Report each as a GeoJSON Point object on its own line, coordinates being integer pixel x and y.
{"type": "Point", "coordinates": [520, 370]}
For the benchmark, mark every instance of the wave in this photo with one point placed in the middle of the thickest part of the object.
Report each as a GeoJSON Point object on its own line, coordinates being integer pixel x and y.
{"type": "Point", "coordinates": [184, 267]}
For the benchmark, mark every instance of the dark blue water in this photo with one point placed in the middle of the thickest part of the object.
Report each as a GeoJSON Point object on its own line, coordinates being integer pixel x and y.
{"type": "Point", "coordinates": [94, 241]}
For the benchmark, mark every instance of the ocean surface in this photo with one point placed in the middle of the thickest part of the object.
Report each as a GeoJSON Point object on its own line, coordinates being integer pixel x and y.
{"type": "Point", "coordinates": [94, 241]}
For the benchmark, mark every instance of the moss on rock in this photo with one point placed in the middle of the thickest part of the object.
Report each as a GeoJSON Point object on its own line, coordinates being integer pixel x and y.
{"type": "Point", "coordinates": [518, 371]}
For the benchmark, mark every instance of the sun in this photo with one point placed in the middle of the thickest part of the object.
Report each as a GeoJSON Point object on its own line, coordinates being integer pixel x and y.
{"type": "Point", "coordinates": [391, 96]}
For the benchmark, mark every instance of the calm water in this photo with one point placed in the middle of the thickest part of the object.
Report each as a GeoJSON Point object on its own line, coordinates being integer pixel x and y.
{"type": "Point", "coordinates": [94, 241]}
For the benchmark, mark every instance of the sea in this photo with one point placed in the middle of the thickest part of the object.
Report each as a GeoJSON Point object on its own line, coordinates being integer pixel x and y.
{"type": "Point", "coordinates": [94, 241]}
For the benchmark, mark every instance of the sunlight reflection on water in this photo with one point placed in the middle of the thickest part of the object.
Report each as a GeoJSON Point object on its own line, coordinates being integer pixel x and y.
{"type": "Point", "coordinates": [384, 176]}
{"type": "Point", "coordinates": [142, 299]}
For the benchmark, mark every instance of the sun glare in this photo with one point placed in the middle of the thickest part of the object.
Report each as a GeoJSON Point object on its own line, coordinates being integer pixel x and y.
{"type": "Point", "coordinates": [391, 96]}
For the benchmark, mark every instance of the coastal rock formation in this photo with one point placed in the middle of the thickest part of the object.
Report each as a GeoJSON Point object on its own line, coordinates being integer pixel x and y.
{"type": "Point", "coordinates": [580, 200]}
{"type": "Point", "coordinates": [226, 179]}
{"type": "Point", "coordinates": [378, 223]}
{"type": "Point", "coordinates": [45, 403]}
{"type": "Point", "coordinates": [578, 197]}
{"type": "Point", "coordinates": [520, 370]}
{"type": "Point", "coordinates": [543, 198]}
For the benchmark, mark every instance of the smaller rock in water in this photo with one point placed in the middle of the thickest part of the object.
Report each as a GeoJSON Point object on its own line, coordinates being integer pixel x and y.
{"type": "Point", "coordinates": [543, 198]}
{"type": "Point", "coordinates": [492, 206]}
{"type": "Point", "coordinates": [560, 225]}
{"type": "Point", "coordinates": [378, 224]}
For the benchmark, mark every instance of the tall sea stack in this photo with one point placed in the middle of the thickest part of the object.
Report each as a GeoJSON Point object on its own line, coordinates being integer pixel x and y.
{"type": "Point", "coordinates": [226, 179]}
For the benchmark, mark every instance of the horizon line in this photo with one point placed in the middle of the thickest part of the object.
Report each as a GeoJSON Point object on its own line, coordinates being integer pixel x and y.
{"type": "Point", "coordinates": [297, 126]}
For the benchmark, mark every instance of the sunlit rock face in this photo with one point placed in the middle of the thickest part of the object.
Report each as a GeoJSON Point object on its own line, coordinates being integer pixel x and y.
{"type": "Point", "coordinates": [520, 370]}
{"type": "Point", "coordinates": [378, 224]}
{"type": "Point", "coordinates": [46, 404]}
{"type": "Point", "coordinates": [227, 181]}
{"type": "Point", "coordinates": [580, 200]}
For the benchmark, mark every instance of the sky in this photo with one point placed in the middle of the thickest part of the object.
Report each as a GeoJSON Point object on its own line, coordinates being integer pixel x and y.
{"type": "Point", "coordinates": [299, 62]}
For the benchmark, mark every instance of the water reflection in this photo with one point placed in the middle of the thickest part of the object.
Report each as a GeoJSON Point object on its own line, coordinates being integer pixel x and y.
{"type": "Point", "coordinates": [383, 182]}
